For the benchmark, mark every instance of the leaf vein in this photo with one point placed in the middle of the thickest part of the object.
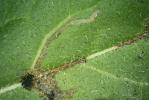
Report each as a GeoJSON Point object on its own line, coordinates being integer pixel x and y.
{"type": "Point", "coordinates": [110, 75]}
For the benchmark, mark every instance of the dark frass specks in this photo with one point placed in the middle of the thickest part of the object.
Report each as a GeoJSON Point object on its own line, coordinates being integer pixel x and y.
{"type": "Point", "coordinates": [141, 55]}
{"type": "Point", "coordinates": [27, 81]}
{"type": "Point", "coordinates": [51, 95]}
{"type": "Point", "coordinates": [44, 83]}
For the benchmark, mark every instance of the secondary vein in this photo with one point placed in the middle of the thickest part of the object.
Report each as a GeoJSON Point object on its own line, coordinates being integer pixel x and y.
{"type": "Point", "coordinates": [115, 77]}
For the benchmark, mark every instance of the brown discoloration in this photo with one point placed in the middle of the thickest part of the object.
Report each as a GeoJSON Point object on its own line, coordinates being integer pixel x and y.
{"type": "Point", "coordinates": [46, 85]}
{"type": "Point", "coordinates": [139, 37]}
{"type": "Point", "coordinates": [44, 81]}
{"type": "Point", "coordinates": [130, 41]}
{"type": "Point", "coordinates": [67, 65]}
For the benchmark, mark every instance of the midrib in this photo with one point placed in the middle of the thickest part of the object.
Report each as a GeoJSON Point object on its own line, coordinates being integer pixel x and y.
{"type": "Point", "coordinates": [9, 88]}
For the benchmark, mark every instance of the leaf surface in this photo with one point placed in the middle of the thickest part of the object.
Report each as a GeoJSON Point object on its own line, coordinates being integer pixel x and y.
{"type": "Point", "coordinates": [47, 34]}
{"type": "Point", "coordinates": [117, 75]}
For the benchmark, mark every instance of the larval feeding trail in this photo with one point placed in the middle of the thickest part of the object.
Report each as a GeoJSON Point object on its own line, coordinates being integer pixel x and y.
{"type": "Point", "coordinates": [85, 21]}
{"type": "Point", "coordinates": [9, 88]}
{"type": "Point", "coordinates": [52, 35]}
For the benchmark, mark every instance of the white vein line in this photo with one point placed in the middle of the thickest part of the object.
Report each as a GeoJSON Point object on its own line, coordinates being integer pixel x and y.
{"type": "Point", "coordinates": [101, 53]}
{"type": "Point", "coordinates": [115, 77]}
{"type": "Point", "coordinates": [9, 88]}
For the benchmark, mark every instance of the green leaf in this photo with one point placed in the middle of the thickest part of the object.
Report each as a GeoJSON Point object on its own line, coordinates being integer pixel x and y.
{"type": "Point", "coordinates": [46, 34]}
{"type": "Point", "coordinates": [20, 94]}
{"type": "Point", "coordinates": [117, 75]}
{"type": "Point", "coordinates": [24, 25]}
{"type": "Point", "coordinates": [117, 21]}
